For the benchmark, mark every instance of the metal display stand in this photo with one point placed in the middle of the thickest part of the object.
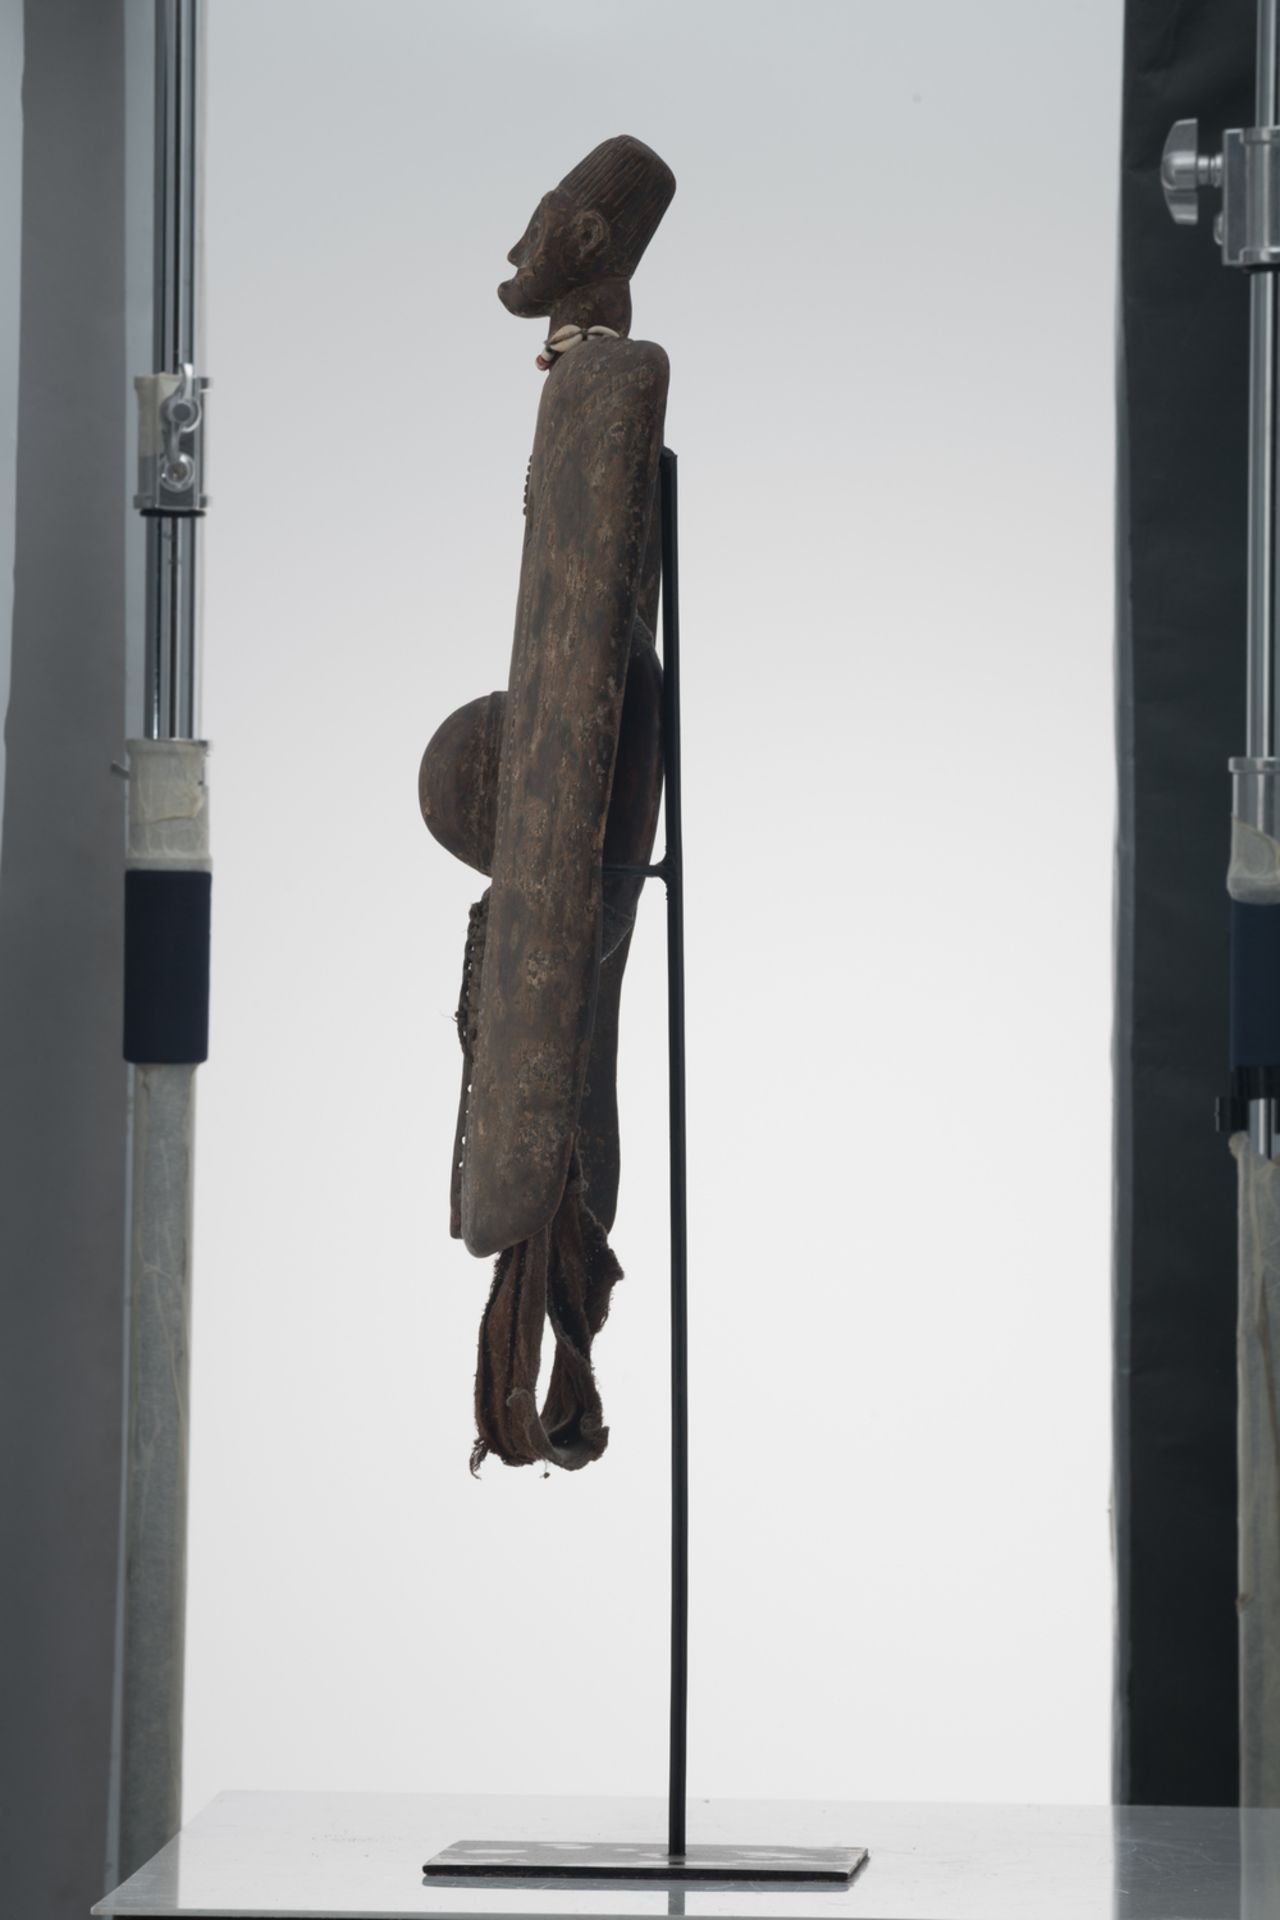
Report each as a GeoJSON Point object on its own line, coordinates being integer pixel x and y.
{"type": "Point", "coordinates": [677, 1861]}
{"type": "Point", "coordinates": [1247, 229]}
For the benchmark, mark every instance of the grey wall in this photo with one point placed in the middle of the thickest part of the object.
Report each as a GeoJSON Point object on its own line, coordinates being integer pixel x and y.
{"type": "Point", "coordinates": [62, 1082]}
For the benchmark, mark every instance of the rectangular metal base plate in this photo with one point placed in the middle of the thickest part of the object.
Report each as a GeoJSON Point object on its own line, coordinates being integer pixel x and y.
{"type": "Point", "coordinates": [572, 1860]}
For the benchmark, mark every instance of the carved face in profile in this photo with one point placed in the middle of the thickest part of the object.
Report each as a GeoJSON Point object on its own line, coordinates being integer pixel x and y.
{"type": "Point", "coordinates": [562, 248]}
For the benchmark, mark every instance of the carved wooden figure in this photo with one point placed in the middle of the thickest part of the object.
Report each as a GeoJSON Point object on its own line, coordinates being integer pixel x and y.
{"type": "Point", "coordinates": [544, 788]}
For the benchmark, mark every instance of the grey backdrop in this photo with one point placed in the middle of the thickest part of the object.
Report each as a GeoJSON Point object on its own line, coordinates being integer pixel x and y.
{"type": "Point", "coordinates": [894, 418]}
{"type": "Point", "coordinates": [64, 380]}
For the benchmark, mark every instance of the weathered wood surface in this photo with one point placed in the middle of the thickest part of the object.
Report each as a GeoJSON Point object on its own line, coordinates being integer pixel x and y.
{"type": "Point", "coordinates": [457, 789]}
{"type": "Point", "coordinates": [458, 780]}
{"type": "Point", "coordinates": [540, 786]}
{"type": "Point", "coordinates": [592, 485]}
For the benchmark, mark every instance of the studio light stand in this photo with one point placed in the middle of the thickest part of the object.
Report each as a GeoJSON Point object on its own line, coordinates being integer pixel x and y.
{"type": "Point", "coordinates": [166, 972]}
{"type": "Point", "coordinates": [1247, 229]}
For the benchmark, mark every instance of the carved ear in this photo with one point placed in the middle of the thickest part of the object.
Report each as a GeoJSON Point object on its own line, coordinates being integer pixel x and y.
{"type": "Point", "coordinates": [590, 232]}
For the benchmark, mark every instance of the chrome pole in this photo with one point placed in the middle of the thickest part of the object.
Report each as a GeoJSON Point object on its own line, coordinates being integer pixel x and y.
{"type": "Point", "coordinates": [172, 599]}
{"type": "Point", "coordinates": [1256, 776]}
{"type": "Point", "coordinates": [1260, 726]}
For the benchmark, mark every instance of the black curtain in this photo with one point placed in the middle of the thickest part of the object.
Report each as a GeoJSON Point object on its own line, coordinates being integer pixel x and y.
{"type": "Point", "coordinates": [1183, 416]}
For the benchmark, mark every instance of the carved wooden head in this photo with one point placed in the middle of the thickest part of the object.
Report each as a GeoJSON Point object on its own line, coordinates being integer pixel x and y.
{"type": "Point", "coordinates": [594, 226]}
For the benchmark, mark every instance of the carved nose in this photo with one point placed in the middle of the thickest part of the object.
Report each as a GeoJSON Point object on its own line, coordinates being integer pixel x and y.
{"type": "Point", "coordinates": [513, 253]}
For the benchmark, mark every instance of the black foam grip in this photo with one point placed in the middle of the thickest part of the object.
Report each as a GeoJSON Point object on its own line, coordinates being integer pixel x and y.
{"type": "Point", "coordinates": [1255, 985]}
{"type": "Point", "coordinates": [166, 967]}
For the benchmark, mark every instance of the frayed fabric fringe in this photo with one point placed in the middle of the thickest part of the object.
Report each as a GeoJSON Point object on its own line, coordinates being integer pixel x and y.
{"type": "Point", "coordinates": [466, 1017]}
{"type": "Point", "coordinates": [565, 1274]}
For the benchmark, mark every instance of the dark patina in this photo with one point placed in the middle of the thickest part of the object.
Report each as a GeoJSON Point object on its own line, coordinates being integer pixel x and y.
{"type": "Point", "coordinates": [545, 787]}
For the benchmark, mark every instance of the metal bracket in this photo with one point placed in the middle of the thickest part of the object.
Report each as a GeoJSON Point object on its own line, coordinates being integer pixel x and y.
{"type": "Point", "coordinates": [1248, 172]}
{"type": "Point", "coordinates": [171, 418]}
{"type": "Point", "coordinates": [1251, 198]}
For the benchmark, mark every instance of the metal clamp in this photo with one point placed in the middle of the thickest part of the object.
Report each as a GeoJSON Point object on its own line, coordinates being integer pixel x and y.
{"type": "Point", "coordinates": [1251, 198]}
{"type": "Point", "coordinates": [1184, 170]}
{"type": "Point", "coordinates": [1255, 793]}
{"type": "Point", "coordinates": [1248, 173]}
{"type": "Point", "coordinates": [171, 413]}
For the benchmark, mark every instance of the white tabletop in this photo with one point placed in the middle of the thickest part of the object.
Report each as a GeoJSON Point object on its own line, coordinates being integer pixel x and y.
{"type": "Point", "coordinates": [358, 1856]}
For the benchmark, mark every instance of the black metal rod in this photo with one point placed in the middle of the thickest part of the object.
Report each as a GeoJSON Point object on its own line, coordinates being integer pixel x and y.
{"type": "Point", "coordinates": [658, 872]}
{"type": "Point", "coordinates": [673, 874]}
